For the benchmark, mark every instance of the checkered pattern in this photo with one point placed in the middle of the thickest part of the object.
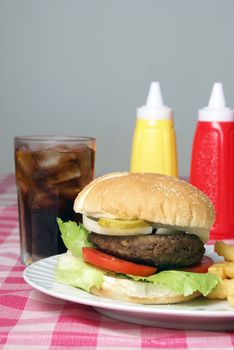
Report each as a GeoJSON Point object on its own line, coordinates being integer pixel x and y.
{"type": "Point", "coordinates": [32, 320]}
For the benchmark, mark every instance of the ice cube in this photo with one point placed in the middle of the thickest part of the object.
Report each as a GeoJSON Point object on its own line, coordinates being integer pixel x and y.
{"type": "Point", "coordinates": [64, 173]}
{"type": "Point", "coordinates": [84, 158]}
{"type": "Point", "coordinates": [24, 162]}
{"type": "Point", "coordinates": [41, 199]}
{"type": "Point", "coordinates": [51, 158]}
{"type": "Point", "coordinates": [22, 185]}
{"type": "Point", "coordinates": [71, 192]}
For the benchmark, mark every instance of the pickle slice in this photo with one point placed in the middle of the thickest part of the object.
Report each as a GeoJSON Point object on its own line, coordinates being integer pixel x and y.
{"type": "Point", "coordinates": [122, 224]}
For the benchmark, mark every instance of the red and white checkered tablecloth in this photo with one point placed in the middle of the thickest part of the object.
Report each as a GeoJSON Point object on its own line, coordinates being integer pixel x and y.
{"type": "Point", "coordinates": [31, 320]}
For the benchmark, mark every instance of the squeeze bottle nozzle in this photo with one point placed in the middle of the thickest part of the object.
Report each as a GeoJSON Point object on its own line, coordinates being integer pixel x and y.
{"type": "Point", "coordinates": [217, 99]}
{"type": "Point", "coordinates": [154, 108]}
{"type": "Point", "coordinates": [154, 99]}
{"type": "Point", "coordinates": [216, 110]}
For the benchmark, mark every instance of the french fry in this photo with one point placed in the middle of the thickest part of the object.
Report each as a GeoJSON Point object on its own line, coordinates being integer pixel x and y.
{"type": "Point", "coordinates": [230, 292]}
{"type": "Point", "coordinates": [225, 270]}
{"type": "Point", "coordinates": [225, 250]}
{"type": "Point", "coordinates": [220, 291]}
{"type": "Point", "coordinates": [230, 287]}
{"type": "Point", "coordinates": [230, 299]}
{"type": "Point", "coordinates": [229, 269]}
{"type": "Point", "coordinates": [218, 269]}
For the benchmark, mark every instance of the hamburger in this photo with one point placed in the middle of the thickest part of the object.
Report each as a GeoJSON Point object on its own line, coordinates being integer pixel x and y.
{"type": "Point", "coordinates": [142, 240]}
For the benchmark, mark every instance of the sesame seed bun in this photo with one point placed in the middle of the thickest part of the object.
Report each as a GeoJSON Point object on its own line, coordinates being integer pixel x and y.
{"type": "Point", "coordinates": [159, 199]}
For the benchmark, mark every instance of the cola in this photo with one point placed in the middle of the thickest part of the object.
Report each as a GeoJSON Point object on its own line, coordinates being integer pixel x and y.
{"type": "Point", "coordinates": [49, 175]}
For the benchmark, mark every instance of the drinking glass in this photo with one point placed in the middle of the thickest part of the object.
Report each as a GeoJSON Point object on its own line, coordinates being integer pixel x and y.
{"type": "Point", "coordinates": [50, 172]}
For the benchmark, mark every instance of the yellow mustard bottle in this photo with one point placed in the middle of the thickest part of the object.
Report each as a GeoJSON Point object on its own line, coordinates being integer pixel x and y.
{"type": "Point", "coordinates": [154, 141]}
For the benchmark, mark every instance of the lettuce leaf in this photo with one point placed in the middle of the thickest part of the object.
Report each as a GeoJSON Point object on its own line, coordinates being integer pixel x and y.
{"type": "Point", "coordinates": [73, 271]}
{"type": "Point", "coordinates": [182, 282]}
{"type": "Point", "coordinates": [74, 236]}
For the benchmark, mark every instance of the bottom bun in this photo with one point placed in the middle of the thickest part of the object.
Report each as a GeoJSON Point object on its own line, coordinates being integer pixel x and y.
{"type": "Point", "coordinates": [139, 292]}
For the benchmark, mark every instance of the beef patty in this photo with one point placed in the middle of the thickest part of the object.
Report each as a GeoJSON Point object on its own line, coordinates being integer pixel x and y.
{"type": "Point", "coordinates": [161, 250]}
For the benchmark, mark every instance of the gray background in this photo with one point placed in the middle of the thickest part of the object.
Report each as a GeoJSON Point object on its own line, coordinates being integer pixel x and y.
{"type": "Point", "coordinates": [83, 67]}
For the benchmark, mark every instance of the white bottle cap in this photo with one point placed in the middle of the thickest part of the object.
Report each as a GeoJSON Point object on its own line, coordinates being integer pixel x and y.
{"type": "Point", "coordinates": [216, 110]}
{"type": "Point", "coordinates": [154, 108]}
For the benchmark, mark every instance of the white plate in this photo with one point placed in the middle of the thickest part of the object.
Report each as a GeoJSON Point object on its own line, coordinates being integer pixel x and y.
{"type": "Point", "coordinates": [201, 313]}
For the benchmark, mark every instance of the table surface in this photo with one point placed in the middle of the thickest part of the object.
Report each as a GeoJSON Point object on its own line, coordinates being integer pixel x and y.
{"type": "Point", "coordinates": [31, 319]}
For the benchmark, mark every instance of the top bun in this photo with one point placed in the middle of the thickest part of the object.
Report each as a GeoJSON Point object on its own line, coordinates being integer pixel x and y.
{"type": "Point", "coordinates": [155, 198]}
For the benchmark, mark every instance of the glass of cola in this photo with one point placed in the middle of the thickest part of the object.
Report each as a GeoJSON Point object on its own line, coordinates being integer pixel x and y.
{"type": "Point", "coordinates": [50, 172]}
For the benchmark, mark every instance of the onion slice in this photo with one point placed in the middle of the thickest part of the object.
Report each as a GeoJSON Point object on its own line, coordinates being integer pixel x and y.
{"type": "Point", "coordinates": [93, 226]}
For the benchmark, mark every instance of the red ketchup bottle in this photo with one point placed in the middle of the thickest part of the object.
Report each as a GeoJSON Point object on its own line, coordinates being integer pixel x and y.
{"type": "Point", "coordinates": [212, 164]}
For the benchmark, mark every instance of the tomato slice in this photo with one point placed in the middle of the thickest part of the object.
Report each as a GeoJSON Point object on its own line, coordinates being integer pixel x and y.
{"type": "Point", "coordinates": [111, 263]}
{"type": "Point", "coordinates": [201, 267]}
